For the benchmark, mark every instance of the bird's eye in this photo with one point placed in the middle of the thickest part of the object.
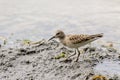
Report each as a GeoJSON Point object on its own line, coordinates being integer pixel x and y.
{"type": "Point", "coordinates": [57, 33]}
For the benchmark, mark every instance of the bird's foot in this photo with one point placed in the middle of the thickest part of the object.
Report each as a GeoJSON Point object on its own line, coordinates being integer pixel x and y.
{"type": "Point", "coordinates": [72, 55]}
{"type": "Point", "coordinates": [76, 60]}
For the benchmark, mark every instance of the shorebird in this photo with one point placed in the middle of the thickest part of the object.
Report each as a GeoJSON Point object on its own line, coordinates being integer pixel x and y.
{"type": "Point", "coordinates": [76, 40]}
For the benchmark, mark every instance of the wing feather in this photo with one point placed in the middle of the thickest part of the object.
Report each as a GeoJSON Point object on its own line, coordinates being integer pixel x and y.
{"type": "Point", "coordinates": [75, 39]}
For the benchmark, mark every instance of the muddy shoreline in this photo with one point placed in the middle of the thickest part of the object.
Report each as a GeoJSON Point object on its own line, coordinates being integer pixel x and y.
{"type": "Point", "coordinates": [37, 62]}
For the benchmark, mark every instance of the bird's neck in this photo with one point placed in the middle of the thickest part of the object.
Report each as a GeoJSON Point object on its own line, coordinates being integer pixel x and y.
{"type": "Point", "coordinates": [62, 40]}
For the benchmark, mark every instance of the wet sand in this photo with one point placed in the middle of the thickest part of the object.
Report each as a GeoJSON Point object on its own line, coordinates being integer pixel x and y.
{"type": "Point", "coordinates": [37, 62]}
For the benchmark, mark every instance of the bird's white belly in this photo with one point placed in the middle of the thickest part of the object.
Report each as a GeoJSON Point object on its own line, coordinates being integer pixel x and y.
{"type": "Point", "coordinates": [75, 45]}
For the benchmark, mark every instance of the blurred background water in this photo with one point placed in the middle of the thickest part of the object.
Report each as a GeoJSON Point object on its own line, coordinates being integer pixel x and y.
{"type": "Point", "coordinates": [38, 19]}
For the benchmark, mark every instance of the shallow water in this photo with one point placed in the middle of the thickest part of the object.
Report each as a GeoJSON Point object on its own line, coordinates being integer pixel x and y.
{"type": "Point", "coordinates": [110, 68]}
{"type": "Point", "coordinates": [38, 19]}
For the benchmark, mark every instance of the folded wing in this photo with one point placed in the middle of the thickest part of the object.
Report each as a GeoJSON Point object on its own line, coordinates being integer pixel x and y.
{"type": "Point", "coordinates": [75, 39]}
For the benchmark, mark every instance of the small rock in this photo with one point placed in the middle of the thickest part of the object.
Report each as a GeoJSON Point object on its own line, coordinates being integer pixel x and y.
{"type": "Point", "coordinates": [1, 64]}
{"type": "Point", "coordinates": [75, 76]}
{"type": "Point", "coordinates": [22, 50]}
{"type": "Point", "coordinates": [110, 49]}
{"type": "Point", "coordinates": [34, 64]}
{"type": "Point", "coordinates": [2, 56]}
{"type": "Point", "coordinates": [3, 50]}
{"type": "Point", "coordinates": [119, 57]}
{"type": "Point", "coordinates": [31, 52]}
{"type": "Point", "coordinates": [10, 52]}
{"type": "Point", "coordinates": [101, 57]}
{"type": "Point", "coordinates": [60, 67]}
{"type": "Point", "coordinates": [115, 77]}
{"type": "Point", "coordinates": [26, 62]}
{"type": "Point", "coordinates": [66, 60]}
{"type": "Point", "coordinates": [9, 65]}
{"type": "Point", "coordinates": [13, 58]}
{"type": "Point", "coordinates": [10, 48]}
{"type": "Point", "coordinates": [88, 76]}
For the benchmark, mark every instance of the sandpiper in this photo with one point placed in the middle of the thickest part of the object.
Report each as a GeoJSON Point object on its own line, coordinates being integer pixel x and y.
{"type": "Point", "coordinates": [75, 41]}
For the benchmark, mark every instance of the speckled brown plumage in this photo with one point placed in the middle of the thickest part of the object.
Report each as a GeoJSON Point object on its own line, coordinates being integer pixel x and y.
{"type": "Point", "coordinates": [75, 39]}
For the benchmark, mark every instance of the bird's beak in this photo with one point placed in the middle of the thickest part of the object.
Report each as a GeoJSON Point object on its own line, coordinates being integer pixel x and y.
{"type": "Point", "coordinates": [51, 38]}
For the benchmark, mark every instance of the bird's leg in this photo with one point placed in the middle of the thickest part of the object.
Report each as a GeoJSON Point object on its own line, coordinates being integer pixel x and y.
{"type": "Point", "coordinates": [82, 51]}
{"type": "Point", "coordinates": [78, 55]}
{"type": "Point", "coordinates": [72, 54]}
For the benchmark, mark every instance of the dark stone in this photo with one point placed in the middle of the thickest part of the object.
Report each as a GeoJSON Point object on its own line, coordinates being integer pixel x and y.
{"type": "Point", "coordinates": [1, 64]}
{"type": "Point", "coordinates": [75, 76]}
{"type": "Point", "coordinates": [89, 75]}
{"type": "Point", "coordinates": [67, 61]}
{"type": "Point", "coordinates": [22, 50]}
{"type": "Point", "coordinates": [2, 56]}
{"type": "Point", "coordinates": [101, 57]}
{"type": "Point", "coordinates": [27, 62]}
{"type": "Point", "coordinates": [9, 65]}
{"type": "Point", "coordinates": [10, 52]}
{"type": "Point", "coordinates": [119, 57]}
{"type": "Point", "coordinates": [31, 52]}
{"type": "Point", "coordinates": [13, 58]}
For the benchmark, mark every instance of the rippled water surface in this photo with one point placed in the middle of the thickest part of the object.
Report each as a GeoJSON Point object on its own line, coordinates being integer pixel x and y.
{"type": "Point", "coordinates": [109, 68]}
{"type": "Point", "coordinates": [38, 19]}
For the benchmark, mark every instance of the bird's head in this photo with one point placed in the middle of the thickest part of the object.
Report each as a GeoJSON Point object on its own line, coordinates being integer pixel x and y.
{"type": "Point", "coordinates": [59, 34]}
